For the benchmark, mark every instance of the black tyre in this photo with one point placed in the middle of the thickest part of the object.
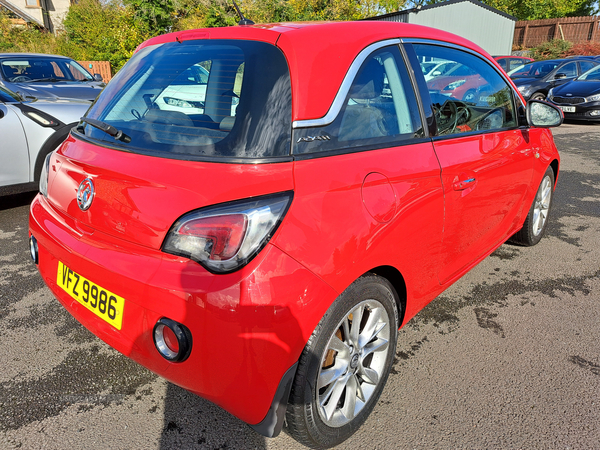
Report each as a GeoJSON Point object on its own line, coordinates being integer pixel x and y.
{"type": "Point", "coordinates": [538, 96]}
{"type": "Point", "coordinates": [537, 218]}
{"type": "Point", "coordinates": [345, 364]}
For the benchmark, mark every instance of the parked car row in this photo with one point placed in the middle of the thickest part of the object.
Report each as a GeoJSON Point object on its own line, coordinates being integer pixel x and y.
{"type": "Point", "coordinates": [41, 98]}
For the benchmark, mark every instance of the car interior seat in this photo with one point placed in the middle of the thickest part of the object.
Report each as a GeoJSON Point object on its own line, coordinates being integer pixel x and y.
{"type": "Point", "coordinates": [362, 119]}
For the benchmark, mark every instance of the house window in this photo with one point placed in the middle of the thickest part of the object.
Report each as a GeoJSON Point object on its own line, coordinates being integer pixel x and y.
{"type": "Point", "coordinates": [32, 3]}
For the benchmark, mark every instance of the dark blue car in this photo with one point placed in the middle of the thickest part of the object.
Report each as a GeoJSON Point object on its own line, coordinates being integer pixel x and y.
{"type": "Point", "coordinates": [579, 99]}
{"type": "Point", "coordinates": [535, 79]}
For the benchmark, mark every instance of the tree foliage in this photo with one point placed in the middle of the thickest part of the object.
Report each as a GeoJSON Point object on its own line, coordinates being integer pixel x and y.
{"type": "Point", "coordinates": [104, 31]}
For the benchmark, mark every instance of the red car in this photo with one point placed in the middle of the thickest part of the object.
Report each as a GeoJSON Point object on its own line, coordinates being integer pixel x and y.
{"type": "Point", "coordinates": [263, 251]}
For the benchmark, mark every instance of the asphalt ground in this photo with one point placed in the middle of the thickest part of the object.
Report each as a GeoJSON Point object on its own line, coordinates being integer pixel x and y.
{"type": "Point", "coordinates": [507, 358]}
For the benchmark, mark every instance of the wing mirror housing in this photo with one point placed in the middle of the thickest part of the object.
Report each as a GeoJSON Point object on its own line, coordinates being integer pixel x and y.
{"type": "Point", "coordinates": [98, 77]}
{"type": "Point", "coordinates": [541, 114]}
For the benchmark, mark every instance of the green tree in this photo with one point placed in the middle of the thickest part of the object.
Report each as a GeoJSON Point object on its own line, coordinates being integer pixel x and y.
{"type": "Point", "coordinates": [104, 31]}
{"type": "Point", "coordinates": [158, 15]}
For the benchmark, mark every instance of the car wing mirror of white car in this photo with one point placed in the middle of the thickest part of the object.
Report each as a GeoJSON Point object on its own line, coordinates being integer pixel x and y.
{"type": "Point", "coordinates": [541, 114]}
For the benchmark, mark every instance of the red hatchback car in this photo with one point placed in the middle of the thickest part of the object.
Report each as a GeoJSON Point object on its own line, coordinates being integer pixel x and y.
{"type": "Point", "coordinates": [259, 236]}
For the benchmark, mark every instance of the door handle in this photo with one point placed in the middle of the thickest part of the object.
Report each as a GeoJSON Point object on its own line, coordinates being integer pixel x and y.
{"type": "Point", "coordinates": [464, 184]}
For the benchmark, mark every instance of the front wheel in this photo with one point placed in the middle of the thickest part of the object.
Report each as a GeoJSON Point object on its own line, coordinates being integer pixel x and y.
{"type": "Point", "coordinates": [537, 218]}
{"type": "Point", "coordinates": [538, 96]}
{"type": "Point", "coordinates": [345, 364]}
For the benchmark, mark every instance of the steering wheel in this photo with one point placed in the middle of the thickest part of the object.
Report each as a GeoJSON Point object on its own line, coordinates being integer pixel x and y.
{"type": "Point", "coordinates": [450, 115]}
{"type": "Point", "coordinates": [20, 79]}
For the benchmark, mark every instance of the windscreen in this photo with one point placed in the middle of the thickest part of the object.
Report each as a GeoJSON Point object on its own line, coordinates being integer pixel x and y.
{"type": "Point", "coordinates": [24, 70]}
{"type": "Point", "coordinates": [198, 99]}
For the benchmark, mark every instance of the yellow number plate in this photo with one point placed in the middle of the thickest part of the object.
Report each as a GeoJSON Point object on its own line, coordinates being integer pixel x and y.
{"type": "Point", "coordinates": [103, 303]}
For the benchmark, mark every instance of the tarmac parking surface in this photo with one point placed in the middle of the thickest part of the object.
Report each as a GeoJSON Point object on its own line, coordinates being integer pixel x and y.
{"type": "Point", "coordinates": [507, 358]}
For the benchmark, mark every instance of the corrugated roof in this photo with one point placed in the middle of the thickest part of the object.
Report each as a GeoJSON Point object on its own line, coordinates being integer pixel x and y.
{"type": "Point", "coordinates": [441, 5]}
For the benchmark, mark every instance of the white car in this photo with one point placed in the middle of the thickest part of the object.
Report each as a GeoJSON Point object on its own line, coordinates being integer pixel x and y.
{"type": "Point", "coordinates": [30, 130]}
{"type": "Point", "coordinates": [436, 69]}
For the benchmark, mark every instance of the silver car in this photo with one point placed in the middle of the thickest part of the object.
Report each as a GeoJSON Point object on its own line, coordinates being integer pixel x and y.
{"type": "Point", "coordinates": [34, 75]}
{"type": "Point", "coordinates": [30, 130]}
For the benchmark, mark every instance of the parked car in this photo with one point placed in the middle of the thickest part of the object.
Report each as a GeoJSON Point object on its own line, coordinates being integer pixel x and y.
{"type": "Point", "coordinates": [509, 63]}
{"type": "Point", "coordinates": [265, 260]}
{"type": "Point", "coordinates": [535, 79]}
{"type": "Point", "coordinates": [461, 83]}
{"type": "Point", "coordinates": [435, 69]}
{"type": "Point", "coordinates": [33, 75]}
{"type": "Point", "coordinates": [579, 99]}
{"type": "Point", "coordinates": [30, 130]}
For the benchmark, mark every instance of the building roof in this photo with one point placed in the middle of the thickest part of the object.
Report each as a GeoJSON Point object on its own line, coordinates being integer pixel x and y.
{"type": "Point", "coordinates": [441, 5]}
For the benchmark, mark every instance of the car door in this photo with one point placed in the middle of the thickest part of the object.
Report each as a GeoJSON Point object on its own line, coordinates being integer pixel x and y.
{"type": "Point", "coordinates": [563, 74]}
{"type": "Point", "coordinates": [367, 183]}
{"type": "Point", "coordinates": [14, 153]}
{"type": "Point", "coordinates": [486, 162]}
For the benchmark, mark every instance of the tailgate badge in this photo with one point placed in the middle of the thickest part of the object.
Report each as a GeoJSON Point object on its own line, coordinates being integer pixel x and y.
{"type": "Point", "coordinates": [85, 194]}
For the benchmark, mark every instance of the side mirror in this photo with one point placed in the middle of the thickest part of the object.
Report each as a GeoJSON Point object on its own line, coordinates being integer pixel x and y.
{"type": "Point", "coordinates": [98, 77]}
{"type": "Point", "coordinates": [560, 76]}
{"type": "Point", "coordinates": [542, 114]}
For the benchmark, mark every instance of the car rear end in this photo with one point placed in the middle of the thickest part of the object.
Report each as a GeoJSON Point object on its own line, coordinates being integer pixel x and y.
{"type": "Point", "coordinates": [156, 220]}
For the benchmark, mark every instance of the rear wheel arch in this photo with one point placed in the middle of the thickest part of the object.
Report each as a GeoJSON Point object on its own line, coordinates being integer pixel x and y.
{"type": "Point", "coordinates": [396, 279]}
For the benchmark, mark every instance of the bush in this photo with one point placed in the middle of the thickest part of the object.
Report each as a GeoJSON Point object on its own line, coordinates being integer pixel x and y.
{"type": "Point", "coordinates": [555, 48]}
{"type": "Point", "coordinates": [584, 49]}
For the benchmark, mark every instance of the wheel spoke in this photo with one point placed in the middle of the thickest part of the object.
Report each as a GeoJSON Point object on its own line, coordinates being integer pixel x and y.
{"type": "Point", "coordinates": [331, 397]}
{"type": "Point", "coordinates": [357, 315]}
{"type": "Point", "coordinates": [339, 346]}
{"type": "Point", "coordinates": [369, 375]}
{"type": "Point", "coordinates": [350, 398]}
{"type": "Point", "coordinates": [372, 328]}
{"type": "Point", "coordinates": [375, 346]}
{"type": "Point", "coordinates": [328, 376]}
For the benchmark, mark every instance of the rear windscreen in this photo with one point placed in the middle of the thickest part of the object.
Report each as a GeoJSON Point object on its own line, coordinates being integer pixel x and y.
{"type": "Point", "coordinates": [198, 99]}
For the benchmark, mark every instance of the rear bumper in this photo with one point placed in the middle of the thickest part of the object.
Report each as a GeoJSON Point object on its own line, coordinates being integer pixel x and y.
{"type": "Point", "coordinates": [248, 327]}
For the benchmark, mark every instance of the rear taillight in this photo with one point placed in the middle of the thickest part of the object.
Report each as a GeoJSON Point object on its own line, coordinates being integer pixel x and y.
{"type": "Point", "coordinates": [225, 237]}
{"type": "Point", "coordinates": [44, 175]}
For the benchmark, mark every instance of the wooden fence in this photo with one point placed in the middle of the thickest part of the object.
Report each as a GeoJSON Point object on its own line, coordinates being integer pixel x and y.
{"type": "Point", "coordinates": [101, 67]}
{"type": "Point", "coordinates": [530, 33]}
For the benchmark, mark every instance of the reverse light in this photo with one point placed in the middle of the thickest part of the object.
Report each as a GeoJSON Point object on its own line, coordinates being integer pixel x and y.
{"type": "Point", "coordinates": [224, 238]}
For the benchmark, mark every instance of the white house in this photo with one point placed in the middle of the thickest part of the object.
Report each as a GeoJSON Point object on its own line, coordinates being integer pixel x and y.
{"type": "Point", "coordinates": [47, 14]}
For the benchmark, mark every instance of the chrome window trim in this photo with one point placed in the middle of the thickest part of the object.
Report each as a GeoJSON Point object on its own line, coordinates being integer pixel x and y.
{"type": "Point", "coordinates": [340, 97]}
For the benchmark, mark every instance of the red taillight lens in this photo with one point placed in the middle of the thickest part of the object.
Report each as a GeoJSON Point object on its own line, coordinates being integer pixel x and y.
{"type": "Point", "coordinates": [225, 237]}
{"type": "Point", "coordinates": [223, 234]}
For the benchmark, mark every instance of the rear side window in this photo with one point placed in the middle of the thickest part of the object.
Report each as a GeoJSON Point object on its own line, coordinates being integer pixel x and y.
{"type": "Point", "coordinates": [472, 96]}
{"type": "Point", "coordinates": [380, 110]}
{"type": "Point", "coordinates": [198, 99]}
